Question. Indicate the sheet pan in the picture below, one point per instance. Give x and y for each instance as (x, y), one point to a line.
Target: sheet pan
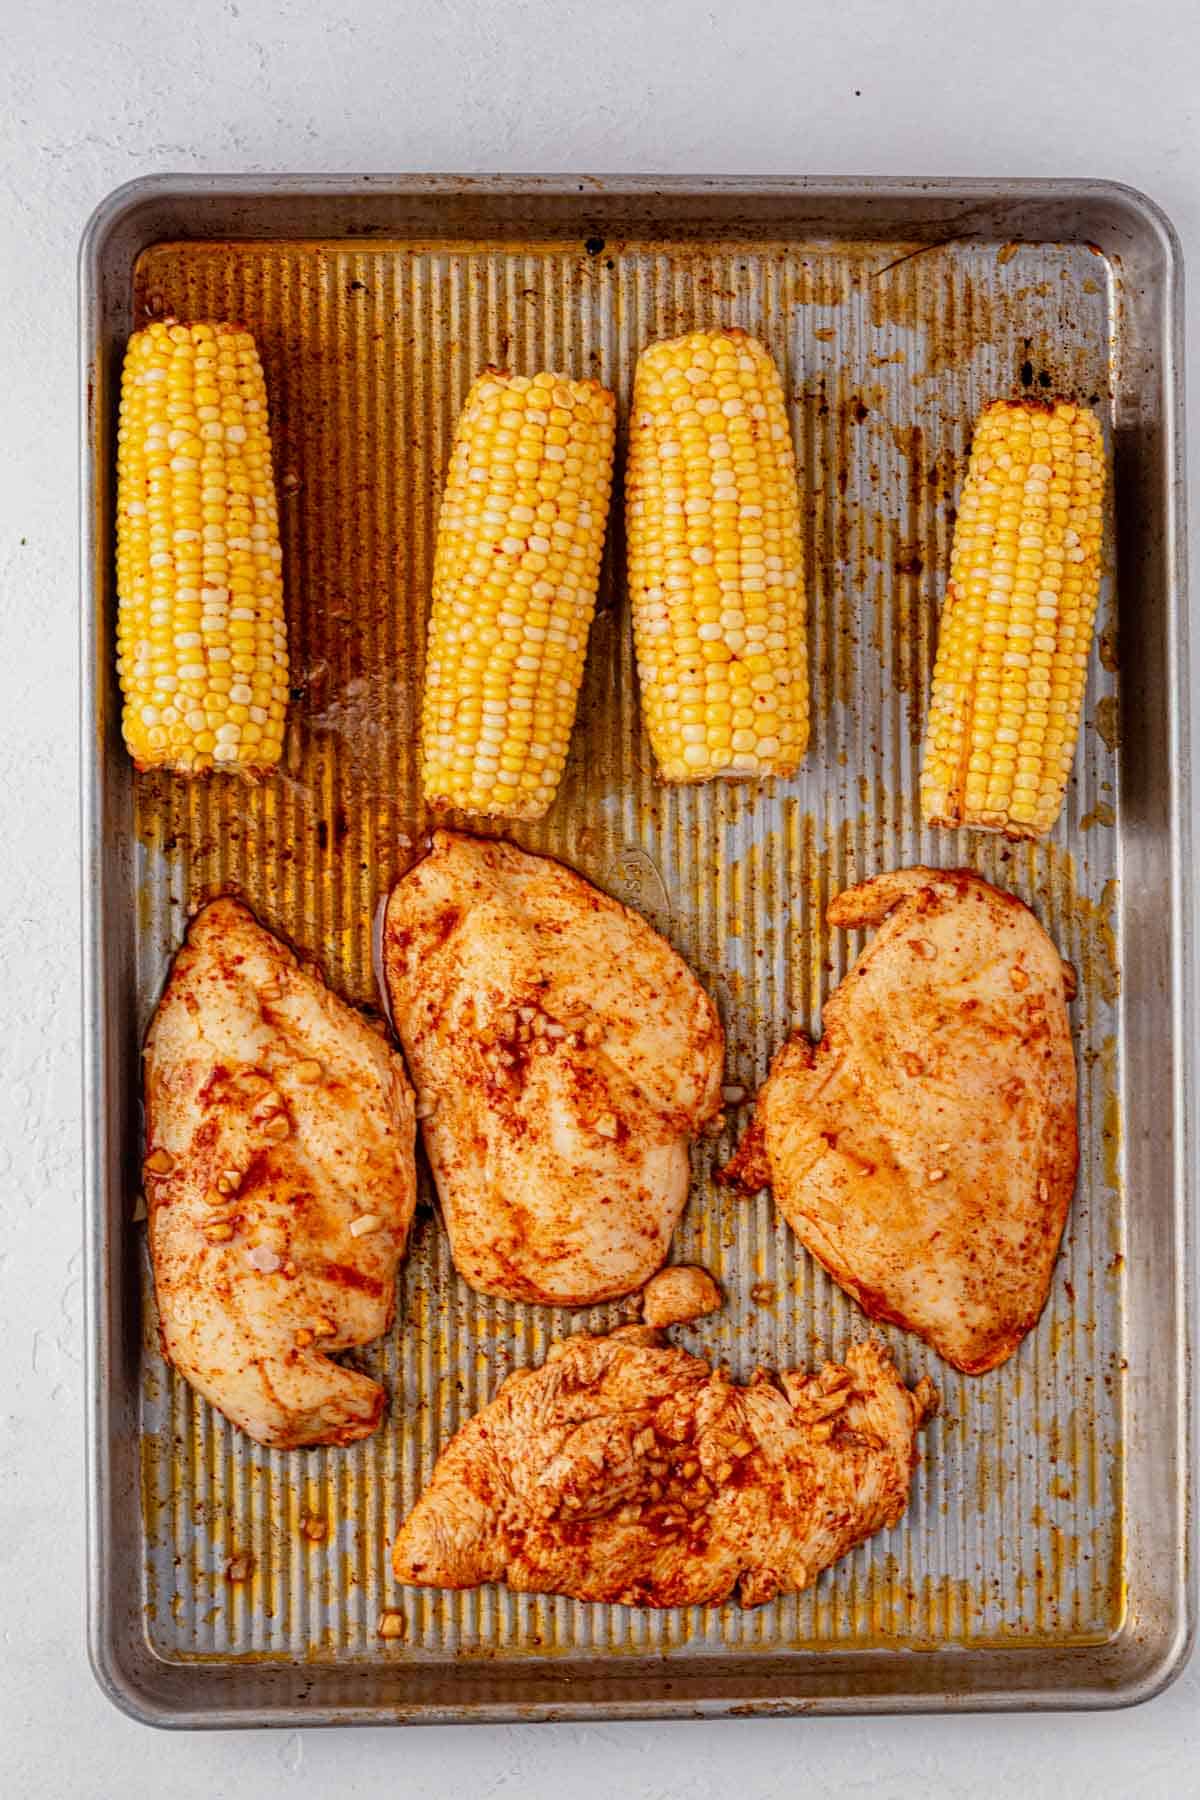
(1045, 1559)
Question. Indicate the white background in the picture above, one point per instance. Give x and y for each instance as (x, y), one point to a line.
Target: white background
(90, 96)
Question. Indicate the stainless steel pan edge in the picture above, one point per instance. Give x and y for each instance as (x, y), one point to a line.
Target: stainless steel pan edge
(1153, 1644)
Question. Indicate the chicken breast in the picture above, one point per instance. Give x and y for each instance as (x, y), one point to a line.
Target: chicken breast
(563, 1053)
(925, 1150)
(627, 1471)
(280, 1182)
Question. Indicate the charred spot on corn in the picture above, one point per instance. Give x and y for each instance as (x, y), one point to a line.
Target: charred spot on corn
(201, 634)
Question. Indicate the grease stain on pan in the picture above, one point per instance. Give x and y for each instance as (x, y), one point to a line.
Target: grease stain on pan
(1107, 721)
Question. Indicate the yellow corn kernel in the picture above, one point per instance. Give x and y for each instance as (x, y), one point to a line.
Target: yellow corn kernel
(716, 572)
(517, 566)
(1017, 621)
(201, 635)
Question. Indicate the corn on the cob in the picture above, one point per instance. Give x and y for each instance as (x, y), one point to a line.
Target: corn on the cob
(1016, 627)
(201, 638)
(715, 560)
(520, 537)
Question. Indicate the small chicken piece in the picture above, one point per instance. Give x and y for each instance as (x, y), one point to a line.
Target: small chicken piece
(677, 1296)
(564, 1054)
(280, 1172)
(625, 1471)
(925, 1150)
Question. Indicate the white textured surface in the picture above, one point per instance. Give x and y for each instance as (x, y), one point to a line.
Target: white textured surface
(1036, 87)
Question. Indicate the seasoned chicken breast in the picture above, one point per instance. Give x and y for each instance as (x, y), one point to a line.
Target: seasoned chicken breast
(280, 1183)
(626, 1471)
(925, 1150)
(563, 1053)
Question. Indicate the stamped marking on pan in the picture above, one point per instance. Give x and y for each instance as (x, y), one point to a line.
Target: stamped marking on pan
(637, 882)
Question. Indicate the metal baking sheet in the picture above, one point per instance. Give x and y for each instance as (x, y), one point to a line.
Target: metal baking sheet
(1045, 1559)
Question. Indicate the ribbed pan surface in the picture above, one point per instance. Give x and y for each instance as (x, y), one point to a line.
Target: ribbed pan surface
(1015, 1533)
